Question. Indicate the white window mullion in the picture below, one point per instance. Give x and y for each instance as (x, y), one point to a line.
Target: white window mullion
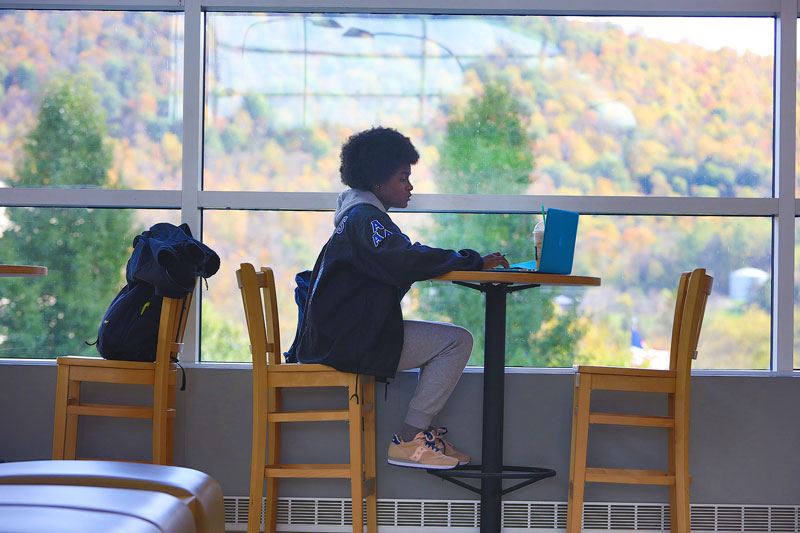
(784, 164)
(113, 198)
(475, 203)
(192, 147)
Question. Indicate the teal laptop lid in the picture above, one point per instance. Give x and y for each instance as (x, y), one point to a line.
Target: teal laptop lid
(558, 246)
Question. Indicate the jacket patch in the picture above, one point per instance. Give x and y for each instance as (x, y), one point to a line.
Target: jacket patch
(340, 227)
(378, 233)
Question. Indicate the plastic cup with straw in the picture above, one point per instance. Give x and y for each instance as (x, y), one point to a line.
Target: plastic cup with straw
(538, 237)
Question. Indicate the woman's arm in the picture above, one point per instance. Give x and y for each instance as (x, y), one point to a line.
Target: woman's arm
(383, 252)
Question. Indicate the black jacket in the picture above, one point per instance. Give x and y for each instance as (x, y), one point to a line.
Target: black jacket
(170, 259)
(352, 319)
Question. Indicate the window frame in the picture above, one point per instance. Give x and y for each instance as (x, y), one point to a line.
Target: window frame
(783, 207)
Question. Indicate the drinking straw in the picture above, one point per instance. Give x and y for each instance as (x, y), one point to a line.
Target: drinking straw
(544, 217)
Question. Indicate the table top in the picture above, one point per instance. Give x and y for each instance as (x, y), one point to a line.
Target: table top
(22, 270)
(488, 276)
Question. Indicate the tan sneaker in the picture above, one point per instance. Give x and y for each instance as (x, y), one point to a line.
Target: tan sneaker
(446, 447)
(419, 453)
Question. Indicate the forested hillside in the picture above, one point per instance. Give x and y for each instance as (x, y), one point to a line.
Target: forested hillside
(596, 111)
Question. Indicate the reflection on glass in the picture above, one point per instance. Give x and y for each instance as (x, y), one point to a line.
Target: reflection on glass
(640, 260)
(626, 321)
(96, 89)
(286, 241)
(608, 106)
(85, 252)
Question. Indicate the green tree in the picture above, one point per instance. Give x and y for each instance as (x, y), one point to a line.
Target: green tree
(224, 339)
(487, 151)
(85, 250)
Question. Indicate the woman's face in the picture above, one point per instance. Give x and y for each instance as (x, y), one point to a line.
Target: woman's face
(396, 192)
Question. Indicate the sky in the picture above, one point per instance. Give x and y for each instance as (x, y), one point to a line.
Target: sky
(756, 35)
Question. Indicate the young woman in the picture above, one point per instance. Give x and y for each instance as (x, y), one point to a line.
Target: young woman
(352, 319)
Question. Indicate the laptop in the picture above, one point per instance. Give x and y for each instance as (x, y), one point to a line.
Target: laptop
(558, 246)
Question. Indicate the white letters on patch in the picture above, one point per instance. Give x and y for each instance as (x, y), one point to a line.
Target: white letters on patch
(378, 233)
(340, 227)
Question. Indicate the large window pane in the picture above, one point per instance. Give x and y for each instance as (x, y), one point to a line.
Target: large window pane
(606, 106)
(85, 252)
(638, 258)
(91, 99)
(287, 241)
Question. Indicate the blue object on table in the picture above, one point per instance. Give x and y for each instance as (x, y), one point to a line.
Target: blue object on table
(558, 247)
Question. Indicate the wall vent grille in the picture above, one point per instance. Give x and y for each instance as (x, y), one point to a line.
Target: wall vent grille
(457, 516)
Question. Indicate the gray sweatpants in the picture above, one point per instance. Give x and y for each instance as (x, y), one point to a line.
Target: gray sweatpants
(441, 351)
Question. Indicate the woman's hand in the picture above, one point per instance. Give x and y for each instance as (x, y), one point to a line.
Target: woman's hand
(495, 259)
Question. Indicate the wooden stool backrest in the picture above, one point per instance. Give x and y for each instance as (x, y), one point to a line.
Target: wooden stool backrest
(261, 312)
(171, 327)
(693, 291)
(680, 301)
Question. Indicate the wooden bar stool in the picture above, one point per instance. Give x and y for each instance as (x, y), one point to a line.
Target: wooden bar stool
(693, 292)
(269, 377)
(160, 374)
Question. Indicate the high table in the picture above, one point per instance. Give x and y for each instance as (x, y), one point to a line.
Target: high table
(22, 270)
(491, 472)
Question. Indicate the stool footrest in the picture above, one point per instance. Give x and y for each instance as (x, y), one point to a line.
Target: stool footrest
(632, 420)
(308, 470)
(115, 410)
(309, 416)
(527, 475)
(629, 476)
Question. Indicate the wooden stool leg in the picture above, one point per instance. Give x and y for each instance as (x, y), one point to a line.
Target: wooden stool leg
(257, 461)
(171, 427)
(275, 402)
(680, 503)
(160, 431)
(580, 439)
(71, 440)
(673, 518)
(356, 455)
(370, 456)
(60, 418)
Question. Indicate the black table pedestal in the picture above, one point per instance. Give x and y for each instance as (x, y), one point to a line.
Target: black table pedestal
(492, 472)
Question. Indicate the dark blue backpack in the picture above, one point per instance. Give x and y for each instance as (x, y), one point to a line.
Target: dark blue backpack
(303, 279)
(166, 261)
(129, 331)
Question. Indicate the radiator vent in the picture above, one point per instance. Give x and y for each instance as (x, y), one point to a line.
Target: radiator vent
(626, 516)
(456, 516)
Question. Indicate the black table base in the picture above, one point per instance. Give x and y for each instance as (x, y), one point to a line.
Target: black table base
(529, 474)
(492, 472)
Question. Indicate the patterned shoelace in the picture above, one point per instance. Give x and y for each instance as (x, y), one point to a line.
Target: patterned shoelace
(430, 442)
(437, 434)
